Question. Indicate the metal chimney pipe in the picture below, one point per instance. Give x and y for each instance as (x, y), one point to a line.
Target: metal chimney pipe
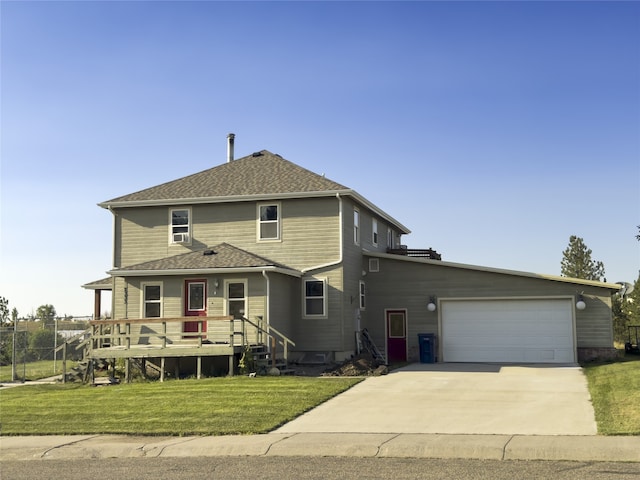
(230, 139)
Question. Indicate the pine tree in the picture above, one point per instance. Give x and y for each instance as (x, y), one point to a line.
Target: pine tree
(577, 262)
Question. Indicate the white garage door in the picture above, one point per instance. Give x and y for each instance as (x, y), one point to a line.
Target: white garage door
(510, 331)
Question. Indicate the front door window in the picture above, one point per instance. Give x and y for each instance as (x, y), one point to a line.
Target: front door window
(396, 335)
(196, 297)
(195, 305)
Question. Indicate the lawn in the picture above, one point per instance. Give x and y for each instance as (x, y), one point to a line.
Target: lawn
(34, 370)
(242, 405)
(214, 406)
(615, 394)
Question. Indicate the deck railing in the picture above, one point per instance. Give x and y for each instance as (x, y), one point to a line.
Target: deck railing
(167, 333)
(415, 252)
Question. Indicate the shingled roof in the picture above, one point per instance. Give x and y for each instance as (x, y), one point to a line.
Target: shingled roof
(222, 256)
(261, 173)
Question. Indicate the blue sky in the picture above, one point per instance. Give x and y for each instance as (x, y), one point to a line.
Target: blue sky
(493, 130)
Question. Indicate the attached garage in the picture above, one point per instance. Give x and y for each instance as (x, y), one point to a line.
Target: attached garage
(508, 331)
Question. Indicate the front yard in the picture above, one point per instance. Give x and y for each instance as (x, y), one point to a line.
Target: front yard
(243, 405)
(615, 394)
(214, 406)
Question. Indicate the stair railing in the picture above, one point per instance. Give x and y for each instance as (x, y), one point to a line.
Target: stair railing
(371, 347)
(276, 337)
(86, 344)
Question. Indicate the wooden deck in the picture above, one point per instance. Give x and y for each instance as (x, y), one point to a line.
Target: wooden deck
(169, 338)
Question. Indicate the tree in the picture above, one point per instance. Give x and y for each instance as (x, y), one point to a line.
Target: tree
(42, 344)
(577, 263)
(638, 236)
(626, 311)
(45, 312)
(4, 310)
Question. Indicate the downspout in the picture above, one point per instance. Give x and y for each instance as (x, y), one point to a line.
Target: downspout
(341, 246)
(113, 263)
(267, 299)
(336, 262)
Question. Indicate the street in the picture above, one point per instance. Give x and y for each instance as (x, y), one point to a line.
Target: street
(301, 468)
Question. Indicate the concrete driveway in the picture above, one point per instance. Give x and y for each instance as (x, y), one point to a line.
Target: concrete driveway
(460, 399)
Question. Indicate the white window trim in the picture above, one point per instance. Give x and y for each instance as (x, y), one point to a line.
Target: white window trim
(278, 222)
(205, 285)
(362, 295)
(189, 227)
(374, 265)
(245, 282)
(390, 238)
(324, 297)
(143, 302)
(356, 226)
(374, 232)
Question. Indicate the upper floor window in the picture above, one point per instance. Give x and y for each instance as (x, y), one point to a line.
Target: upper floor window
(374, 231)
(389, 238)
(269, 222)
(315, 298)
(180, 231)
(356, 226)
(151, 300)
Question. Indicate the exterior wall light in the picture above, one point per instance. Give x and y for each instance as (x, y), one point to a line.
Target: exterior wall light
(580, 304)
(431, 306)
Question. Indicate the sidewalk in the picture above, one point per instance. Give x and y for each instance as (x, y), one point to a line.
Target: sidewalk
(461, 422)
(380, 445)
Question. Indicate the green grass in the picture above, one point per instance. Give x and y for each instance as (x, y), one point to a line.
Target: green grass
(215, 406)
(241, 405)
(34, 370)
(615, 394)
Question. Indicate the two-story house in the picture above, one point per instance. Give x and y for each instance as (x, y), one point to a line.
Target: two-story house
(259, 250)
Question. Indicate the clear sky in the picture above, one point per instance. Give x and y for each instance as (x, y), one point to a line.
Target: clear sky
(493, 130)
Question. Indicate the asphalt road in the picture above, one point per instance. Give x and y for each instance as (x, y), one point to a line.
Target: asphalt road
(303, 468)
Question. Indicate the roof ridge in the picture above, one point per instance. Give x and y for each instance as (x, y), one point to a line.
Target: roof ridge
(260, 173)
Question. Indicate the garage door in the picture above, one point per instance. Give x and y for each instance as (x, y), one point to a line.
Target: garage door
(518, 331)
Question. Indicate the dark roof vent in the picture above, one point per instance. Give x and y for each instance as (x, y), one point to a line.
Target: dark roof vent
(208, 252)
(256, 154)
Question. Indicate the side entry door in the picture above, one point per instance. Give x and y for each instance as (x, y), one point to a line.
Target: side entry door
(396, 327)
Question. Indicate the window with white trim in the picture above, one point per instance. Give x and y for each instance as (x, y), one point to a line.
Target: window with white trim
(151, 300)
(180, 229)
(389, 238)
(236, 293)
(374, 265)
(362, 295)
(315, 297)
(269, 221)
(356, 226)
(374, 232)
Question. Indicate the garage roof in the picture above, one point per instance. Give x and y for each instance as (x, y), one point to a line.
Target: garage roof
(556, 278)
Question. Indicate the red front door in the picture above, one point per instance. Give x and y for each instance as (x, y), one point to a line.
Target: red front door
(396, 326)
(195, 304)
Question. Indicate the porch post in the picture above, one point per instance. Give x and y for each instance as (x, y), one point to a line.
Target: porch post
(64, 362)
(127, 370)
(97, 294)
(161, 369)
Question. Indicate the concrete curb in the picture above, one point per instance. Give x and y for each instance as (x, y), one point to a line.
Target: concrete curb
(382, 445)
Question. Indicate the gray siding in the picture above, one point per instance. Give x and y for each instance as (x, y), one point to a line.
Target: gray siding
(323, 334)
(309, 232)
(403, 284)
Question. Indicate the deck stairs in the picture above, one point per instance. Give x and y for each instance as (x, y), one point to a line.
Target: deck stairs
(263, 361)
(82, 372)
